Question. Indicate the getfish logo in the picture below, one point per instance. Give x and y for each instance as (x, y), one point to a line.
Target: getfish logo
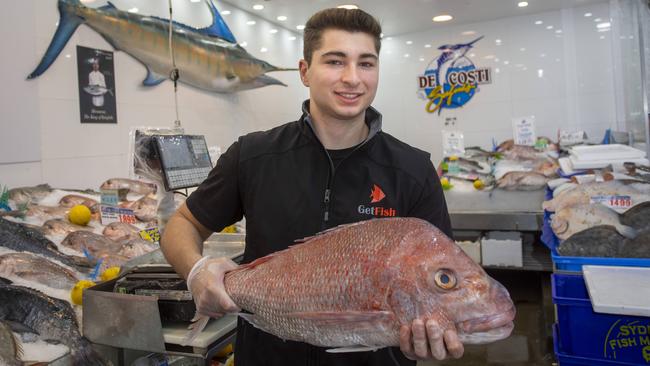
(452, 79)
(376, 196)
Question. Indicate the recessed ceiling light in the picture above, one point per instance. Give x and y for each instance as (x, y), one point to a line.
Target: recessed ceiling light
(469, 33)
(597, 20)
(602, 37)
(350, 7)
(300, 27)
(258, 6)
(587, 15)
(497, 70)
(488, 57)
(522, 49)
(406, 55)
(195, 1)
(539, 22)
(292, 38)
(522, 4)
(540, 73)
(263, 49)
(244, 44)
(273, 31)
(549, 27)
(442, 18)
(133, 10)
(421, 59)
(389, 38)
(427, 46)
(67, 55)
(281, 18)
(409, 42)
(225, 12)
(558, 31)
(498, 42)
(506, 62)
(250, 22)
(603, 25)
(496, 60)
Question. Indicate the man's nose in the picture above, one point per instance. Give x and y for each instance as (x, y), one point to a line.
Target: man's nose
(350, 75)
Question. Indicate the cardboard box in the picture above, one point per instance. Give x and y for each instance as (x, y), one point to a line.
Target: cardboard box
(502, 248)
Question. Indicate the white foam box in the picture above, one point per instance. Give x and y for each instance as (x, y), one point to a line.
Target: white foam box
(472, 249)
(502, 248)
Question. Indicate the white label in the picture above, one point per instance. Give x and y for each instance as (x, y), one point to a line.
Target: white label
(615, 202)
(453, 143)
(115, 214)
(572, 137)
(110, 197)
(523, 129)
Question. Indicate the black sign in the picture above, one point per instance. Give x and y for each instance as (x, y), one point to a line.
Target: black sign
(96, 86)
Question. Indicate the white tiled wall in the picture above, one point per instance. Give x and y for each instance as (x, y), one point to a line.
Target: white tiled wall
(575, 90)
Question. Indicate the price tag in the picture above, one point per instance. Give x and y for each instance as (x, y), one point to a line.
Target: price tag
(151, 234)
(523, 129)
(568, 138)
(110, 197)
(116, 214)
(614, 201)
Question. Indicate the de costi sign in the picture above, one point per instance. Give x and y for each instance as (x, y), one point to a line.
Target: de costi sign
(451, 79)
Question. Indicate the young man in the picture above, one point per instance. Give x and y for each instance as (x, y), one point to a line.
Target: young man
(333, 166)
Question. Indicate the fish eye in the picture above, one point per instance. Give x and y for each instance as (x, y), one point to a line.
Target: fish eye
(445, 279)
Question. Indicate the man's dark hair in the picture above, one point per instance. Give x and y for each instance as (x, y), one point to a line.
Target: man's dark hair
(350, 20)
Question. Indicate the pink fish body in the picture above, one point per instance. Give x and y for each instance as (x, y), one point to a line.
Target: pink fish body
(354, 286)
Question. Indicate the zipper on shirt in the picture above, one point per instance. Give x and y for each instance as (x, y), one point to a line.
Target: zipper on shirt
(326, 200)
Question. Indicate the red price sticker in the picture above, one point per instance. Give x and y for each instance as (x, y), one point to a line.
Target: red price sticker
(614, 202)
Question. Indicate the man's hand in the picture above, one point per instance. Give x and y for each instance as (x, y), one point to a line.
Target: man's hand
(205, 282)
(423, 341)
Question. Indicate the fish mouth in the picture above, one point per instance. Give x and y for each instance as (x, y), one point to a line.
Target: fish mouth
(489, 322)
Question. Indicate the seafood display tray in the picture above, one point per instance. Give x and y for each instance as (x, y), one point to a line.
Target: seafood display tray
(583, 333)
(569, 360)
(574, 264)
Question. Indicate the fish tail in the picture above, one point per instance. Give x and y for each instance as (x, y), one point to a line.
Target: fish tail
(627, 231)
(199, 323)
(68, 23)
(86, 355)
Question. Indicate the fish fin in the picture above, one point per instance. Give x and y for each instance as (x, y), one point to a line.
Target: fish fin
(343, 317)
(265, 80)
(19, 347)
(626, 231)
(19, 327)
(153, 78)
(340, 227)
(68, 23)
(352, 349)
(199, 323)
(218, 28)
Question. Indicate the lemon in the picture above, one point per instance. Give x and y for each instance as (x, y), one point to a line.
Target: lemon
(77, 291)
(478, 184)
(444, 182)
(110, 273)
(229, 229)
(79, 215)
(225, 351)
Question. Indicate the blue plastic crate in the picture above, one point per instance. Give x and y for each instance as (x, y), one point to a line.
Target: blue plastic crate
(584, 333)
(574, 264)
(569, 360)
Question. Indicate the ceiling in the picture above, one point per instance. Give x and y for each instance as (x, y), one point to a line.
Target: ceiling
(405, 16)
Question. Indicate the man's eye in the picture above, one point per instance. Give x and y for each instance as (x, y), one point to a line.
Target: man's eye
(367, 64)
(334, 62)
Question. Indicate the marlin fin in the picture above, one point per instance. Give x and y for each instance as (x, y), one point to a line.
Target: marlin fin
(218, 28)
(68, 23)
(153, 79)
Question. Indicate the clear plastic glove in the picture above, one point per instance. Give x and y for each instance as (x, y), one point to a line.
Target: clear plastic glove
(423, 341)
(205, 282)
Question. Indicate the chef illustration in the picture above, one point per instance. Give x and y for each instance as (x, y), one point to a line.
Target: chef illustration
(97, 84)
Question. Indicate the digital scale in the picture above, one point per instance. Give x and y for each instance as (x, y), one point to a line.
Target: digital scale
(184, 160)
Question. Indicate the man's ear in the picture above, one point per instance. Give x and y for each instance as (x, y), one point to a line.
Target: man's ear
(303, 67)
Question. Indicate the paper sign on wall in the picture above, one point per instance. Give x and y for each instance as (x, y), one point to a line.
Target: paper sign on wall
(523, 130)
(453, 143)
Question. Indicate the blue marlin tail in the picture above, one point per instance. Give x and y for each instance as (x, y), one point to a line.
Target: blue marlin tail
(68, 23)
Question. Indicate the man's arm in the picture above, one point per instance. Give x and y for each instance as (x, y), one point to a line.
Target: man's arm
(182, 240)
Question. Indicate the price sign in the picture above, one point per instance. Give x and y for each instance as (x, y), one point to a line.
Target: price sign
(523, 129)
(116, 214)
(615, 202)
(151, 234)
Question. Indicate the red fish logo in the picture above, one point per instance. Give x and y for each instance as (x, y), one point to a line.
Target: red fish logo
(376, 194)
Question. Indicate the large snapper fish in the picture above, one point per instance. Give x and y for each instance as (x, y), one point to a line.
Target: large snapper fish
(354, 286)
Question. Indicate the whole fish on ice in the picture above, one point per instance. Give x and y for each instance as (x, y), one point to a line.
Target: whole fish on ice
(207, 58)
(583, 193)
(10, 347)
(355, 285)
(573, 219)
(30, 267)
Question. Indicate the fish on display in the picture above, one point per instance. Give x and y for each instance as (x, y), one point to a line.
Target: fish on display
(472, 166)
(31, 267)
(91, 243)
(573, 219)
(136, 247)
(548, 168)
(598, 241)
(61, 227)
(75, 199)
(119, 231)
(145, 209)
(638, 216)
(207, 58)
(637, 247)
(52, 320)
(24, 195)
(20, 238)
(582, 193)
(47, 211)
(132, 185)
(522, 181)
(10, 348)
(354, 286)
(477, 153)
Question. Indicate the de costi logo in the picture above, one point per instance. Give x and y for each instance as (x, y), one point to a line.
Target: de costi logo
(452, 79)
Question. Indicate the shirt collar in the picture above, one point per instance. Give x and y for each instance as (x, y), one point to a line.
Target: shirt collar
(372, 119)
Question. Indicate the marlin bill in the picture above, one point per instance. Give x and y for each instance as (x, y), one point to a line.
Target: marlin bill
(207, 58)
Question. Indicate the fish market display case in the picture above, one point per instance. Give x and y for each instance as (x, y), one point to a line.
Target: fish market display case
(132, 321)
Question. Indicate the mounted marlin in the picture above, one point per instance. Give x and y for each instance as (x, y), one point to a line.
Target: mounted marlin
(207, 58)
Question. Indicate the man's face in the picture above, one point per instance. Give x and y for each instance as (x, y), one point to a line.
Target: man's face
(95, 66)
(343, 75)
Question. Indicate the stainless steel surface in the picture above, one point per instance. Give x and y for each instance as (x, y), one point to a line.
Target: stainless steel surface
(517, 221)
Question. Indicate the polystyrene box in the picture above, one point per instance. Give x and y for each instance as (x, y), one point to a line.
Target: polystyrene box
(502, 248)
(472, 249)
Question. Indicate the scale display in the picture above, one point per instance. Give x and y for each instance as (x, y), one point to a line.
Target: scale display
(185, 160)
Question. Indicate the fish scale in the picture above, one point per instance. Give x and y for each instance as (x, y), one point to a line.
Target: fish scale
(355, 285)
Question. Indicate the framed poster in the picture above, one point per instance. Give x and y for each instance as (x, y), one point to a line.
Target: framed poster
(96, 86)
